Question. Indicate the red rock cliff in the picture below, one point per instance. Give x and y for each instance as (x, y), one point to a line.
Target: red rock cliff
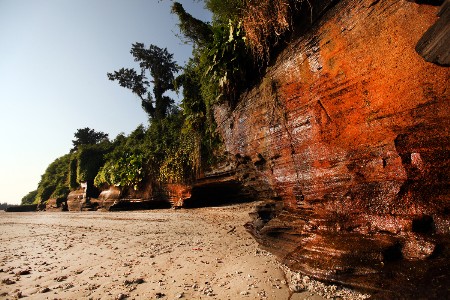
(349, 133)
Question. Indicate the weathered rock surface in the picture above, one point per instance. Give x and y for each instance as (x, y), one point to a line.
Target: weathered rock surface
(177, 194)
(115, 199)
(109, 197)
(434, 45)
(56, 204)
(349, 133)
(75, 199)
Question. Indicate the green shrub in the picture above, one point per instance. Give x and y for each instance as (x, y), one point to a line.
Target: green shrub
(89, 160)
(122, 169)
(29, 198)
(227, 61)
(54, 182)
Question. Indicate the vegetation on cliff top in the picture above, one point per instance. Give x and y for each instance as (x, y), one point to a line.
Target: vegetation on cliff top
(180, 141)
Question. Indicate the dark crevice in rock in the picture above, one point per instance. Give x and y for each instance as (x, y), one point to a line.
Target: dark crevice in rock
(423, 225)
(217, 194)
(393, 253)
(429, 2)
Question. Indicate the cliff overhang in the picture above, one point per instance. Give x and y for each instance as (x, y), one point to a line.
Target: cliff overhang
(347, 134)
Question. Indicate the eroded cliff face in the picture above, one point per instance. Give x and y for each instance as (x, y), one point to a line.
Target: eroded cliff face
(348, 134)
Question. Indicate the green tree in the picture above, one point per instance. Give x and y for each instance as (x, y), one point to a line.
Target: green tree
(29, 198)
(126, 165)
(194, 30)
(54, 182)
(220, 51)
(88, 136)
(90, 158)
(161, 67)
(123, 169)
(224, 10)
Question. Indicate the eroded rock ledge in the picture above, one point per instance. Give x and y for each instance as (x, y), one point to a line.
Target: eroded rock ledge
(348, 133)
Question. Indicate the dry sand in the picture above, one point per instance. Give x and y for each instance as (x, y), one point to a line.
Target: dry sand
(162, 254)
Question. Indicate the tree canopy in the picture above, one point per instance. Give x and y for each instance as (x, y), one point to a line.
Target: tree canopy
(88, 136)
(195, 30)
(158, 62)
(29, 198)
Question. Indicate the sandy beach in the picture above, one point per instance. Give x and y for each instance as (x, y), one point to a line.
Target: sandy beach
(162, 254)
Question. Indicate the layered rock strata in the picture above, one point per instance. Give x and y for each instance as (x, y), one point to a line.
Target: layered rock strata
(434, 46)
(114, 199)
(348, 133)
(56, 204)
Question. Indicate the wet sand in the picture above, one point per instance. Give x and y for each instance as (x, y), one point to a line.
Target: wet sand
(162, 254)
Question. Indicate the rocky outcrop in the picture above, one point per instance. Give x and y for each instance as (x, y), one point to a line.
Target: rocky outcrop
(22, 208)
(56, 204)
(348, 134)
(109, 197)
(177, 194)
(115, 199)
(75, 199)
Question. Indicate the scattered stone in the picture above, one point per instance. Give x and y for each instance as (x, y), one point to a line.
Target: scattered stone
(44, 290)
(8, 281)
(121, 296)
(65, 286)
(297, 288)
(298, 282)
(60, 278)
(180, 295)
(232, 229)
(245, 293)
(19, 295)
(208, 291)
(23, 272)
(93, 287)
(138, 281)
(134, 281)
(127, 282)
(262, 294)
(131, 288)
(159, 295)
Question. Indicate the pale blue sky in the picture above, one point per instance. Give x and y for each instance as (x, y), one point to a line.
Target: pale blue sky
(54, 56)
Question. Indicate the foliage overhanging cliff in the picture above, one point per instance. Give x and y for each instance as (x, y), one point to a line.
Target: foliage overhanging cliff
(180, 142)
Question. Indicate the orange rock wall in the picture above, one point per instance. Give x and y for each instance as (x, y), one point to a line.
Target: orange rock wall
(353, 129)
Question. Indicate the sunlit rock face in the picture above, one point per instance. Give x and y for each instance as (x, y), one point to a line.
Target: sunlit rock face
(75, 199)
(348, 133)
(117, 199)
(54, 204)
(109, 197)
